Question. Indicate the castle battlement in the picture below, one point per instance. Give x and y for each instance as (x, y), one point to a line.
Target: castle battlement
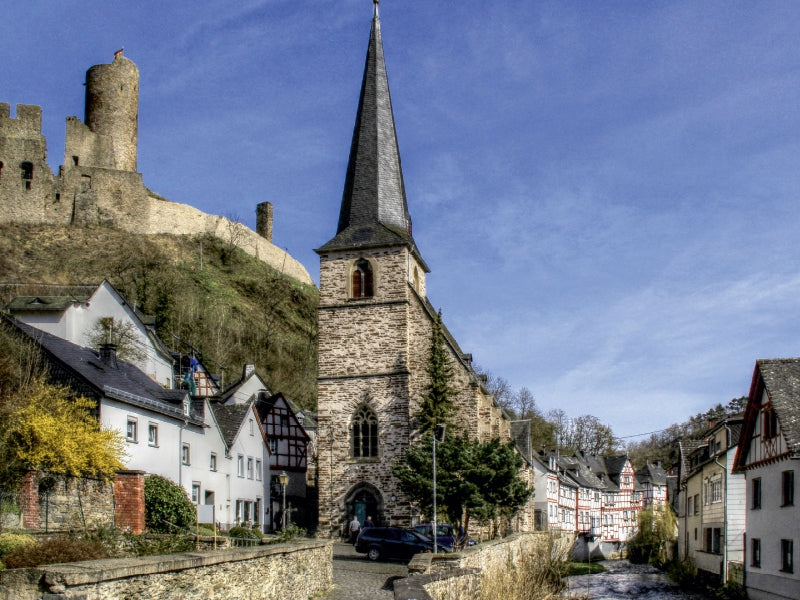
(98, 183)
(28, 121)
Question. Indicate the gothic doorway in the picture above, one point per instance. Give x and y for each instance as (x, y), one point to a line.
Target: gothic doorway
(364, 500)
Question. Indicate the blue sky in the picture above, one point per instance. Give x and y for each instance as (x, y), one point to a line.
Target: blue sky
(606, 192)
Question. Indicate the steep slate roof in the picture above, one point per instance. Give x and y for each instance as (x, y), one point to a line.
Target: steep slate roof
(654, 474)
(521, 433)
(230, 418)
(374, 210)
(44, 303)
(112, 378)
(781, 379)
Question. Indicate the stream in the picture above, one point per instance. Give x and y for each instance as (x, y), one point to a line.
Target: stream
(623, 581)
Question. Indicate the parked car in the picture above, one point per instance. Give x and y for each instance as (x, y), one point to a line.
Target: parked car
(391, 542)
(445, 535)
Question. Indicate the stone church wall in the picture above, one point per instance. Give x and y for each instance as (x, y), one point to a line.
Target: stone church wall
(375, 352)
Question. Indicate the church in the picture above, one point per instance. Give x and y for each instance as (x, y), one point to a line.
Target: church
(375, 323)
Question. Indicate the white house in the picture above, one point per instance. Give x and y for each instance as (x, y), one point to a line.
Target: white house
(711, 501)
(74, 317)
(219, 455)
(769, 456)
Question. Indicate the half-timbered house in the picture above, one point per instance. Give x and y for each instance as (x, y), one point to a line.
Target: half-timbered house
(769, 455)
(288, 452)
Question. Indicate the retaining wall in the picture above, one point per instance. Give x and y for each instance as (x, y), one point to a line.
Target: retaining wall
(296, 570)
(455, 576)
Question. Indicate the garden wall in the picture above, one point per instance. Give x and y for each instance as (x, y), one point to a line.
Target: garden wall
(296, 570)
(58, 503)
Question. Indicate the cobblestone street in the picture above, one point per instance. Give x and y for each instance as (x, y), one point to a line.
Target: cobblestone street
(355, 577)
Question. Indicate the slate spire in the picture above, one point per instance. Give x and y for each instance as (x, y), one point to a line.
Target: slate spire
(374, 210)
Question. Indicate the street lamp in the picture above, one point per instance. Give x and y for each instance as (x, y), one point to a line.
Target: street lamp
(284, 479)
(438, 435)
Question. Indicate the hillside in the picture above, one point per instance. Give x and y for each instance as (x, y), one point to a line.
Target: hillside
(202, 291)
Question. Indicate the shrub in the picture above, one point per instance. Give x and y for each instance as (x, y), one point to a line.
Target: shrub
(683, 572)
(167, 506)
(244, 533)
(11, 541)
(56, 550)
(292, 531)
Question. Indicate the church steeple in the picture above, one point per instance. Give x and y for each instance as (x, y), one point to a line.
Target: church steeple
(374, 211)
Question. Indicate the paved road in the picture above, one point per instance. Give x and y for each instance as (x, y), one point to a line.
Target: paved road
(355, 577)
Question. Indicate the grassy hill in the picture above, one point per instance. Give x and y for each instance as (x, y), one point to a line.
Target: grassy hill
(231, 307)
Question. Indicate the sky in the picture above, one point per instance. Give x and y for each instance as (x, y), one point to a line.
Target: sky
(606, 192)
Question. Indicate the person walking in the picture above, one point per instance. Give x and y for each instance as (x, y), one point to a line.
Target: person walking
(355, 527)
(368, 523)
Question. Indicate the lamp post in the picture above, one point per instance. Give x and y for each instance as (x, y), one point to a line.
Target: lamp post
(438, 434)
(284, 479)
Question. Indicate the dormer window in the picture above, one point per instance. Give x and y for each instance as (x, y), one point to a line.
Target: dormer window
(362, 279)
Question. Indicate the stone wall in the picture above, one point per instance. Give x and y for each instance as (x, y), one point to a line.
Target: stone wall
(296, 570)
(57, 503)
(455, 576)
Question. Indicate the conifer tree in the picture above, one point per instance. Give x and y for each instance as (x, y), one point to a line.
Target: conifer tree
(437, 401)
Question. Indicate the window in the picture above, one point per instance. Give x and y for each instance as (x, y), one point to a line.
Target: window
(697, 504)
(690, 507)
(258, 470)
(195, 492)
(212, 464)
(787, 556)
(713, 540)
(273, 445)
(252, 427)
(27, 170)
(240, 466)
(185, 455)
(362, 280)
(132, 432)
(787, 488)
(249, 468)
(755, 552)
(716, 491)
(755, 489)
(152, 434)
(365, 433)
(770, 422)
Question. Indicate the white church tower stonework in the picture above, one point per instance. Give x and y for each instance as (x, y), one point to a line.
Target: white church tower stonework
(375, 326)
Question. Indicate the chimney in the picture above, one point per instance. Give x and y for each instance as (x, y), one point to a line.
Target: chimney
(108, 354)
(248, 370)
(264, 220)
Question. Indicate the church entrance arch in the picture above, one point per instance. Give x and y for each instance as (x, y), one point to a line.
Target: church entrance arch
(365, 500)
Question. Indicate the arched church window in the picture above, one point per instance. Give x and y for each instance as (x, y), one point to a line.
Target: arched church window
(364, 433)
(362, 280)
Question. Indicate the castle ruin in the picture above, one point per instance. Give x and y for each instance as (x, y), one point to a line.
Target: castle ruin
(98, 185)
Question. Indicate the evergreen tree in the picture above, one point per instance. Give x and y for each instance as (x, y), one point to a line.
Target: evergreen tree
(437, 403)
(471, 477)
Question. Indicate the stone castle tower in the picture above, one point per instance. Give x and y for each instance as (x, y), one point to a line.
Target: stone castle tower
(375, 325)
(98, 183)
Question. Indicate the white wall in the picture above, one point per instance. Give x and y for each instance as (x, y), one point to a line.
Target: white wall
(770, 524)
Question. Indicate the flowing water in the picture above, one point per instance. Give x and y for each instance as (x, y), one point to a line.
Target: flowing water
(625, 581)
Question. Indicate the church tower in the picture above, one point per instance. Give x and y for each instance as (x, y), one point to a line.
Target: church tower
(374, 322)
